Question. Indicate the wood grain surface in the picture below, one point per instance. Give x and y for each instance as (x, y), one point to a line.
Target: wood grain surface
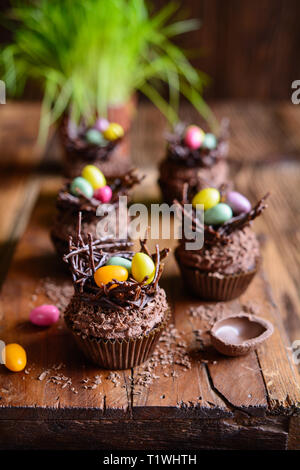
(215, 402)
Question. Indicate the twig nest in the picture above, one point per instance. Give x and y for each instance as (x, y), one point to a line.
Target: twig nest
(237, 335)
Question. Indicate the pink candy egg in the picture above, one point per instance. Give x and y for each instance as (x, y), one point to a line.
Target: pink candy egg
(44, 315)
(101, 124)
(194, 137)
(103, 194)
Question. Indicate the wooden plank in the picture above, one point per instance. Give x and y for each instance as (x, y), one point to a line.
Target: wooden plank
(34, 261)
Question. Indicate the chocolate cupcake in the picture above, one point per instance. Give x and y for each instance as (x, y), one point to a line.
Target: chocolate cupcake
(193, 157)
(115, 317)
(230, 257)
(103, 145)
(69, 205)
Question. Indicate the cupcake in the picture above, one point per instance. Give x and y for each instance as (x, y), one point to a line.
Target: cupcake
(193, 157)
(118, 311)
(230, 256)
(103, 145)
(80, 196)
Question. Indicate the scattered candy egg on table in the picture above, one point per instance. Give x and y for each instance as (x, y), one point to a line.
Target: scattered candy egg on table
(44, 315)
(106, 274)
(119, 261)
(141, 266)
(194, 137)
(210, 141)
(94, 176)
(114, 131)
(101, 124)
(103, 194)
(81, 186)
(238, 203)
(209, 197)
(93, 136)
(218, 214)
(15, 357)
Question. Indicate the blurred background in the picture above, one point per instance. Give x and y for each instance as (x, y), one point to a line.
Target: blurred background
(249, 48)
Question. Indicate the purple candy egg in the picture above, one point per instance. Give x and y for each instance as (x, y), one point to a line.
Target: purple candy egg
(44, 315)
(238, 203)
(101, 124)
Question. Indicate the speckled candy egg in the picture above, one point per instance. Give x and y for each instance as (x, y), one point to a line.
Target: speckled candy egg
(209, 197)
(44, 315)
(14, 357)
(106, 274)
(218, 214)
(142, 265)
(94, 176)
(194, 137)
(113, 132)
(119, 261)
(238, 203)
(103, 194)
(81, 186)
(210, 141)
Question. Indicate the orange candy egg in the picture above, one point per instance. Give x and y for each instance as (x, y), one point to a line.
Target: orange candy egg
(14, 356)
(107, 274)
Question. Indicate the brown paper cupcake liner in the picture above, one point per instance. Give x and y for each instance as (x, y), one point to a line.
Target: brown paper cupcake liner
(120, 354)
(213, 288)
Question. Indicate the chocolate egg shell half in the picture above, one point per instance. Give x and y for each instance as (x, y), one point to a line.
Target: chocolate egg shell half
(236, 335)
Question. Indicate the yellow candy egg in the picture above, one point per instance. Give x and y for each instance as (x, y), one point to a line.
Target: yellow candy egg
(107, 274)
(209, 197)
(94, 176)
(15, 357)
(113, 132)
(142, 266)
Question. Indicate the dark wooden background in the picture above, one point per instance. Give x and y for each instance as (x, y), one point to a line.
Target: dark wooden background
(249, 48)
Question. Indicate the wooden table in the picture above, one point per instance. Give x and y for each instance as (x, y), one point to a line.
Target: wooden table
(215, 402)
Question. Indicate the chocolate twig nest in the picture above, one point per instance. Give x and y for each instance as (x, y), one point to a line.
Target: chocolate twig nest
(222, 233)
(120, 187)
(85, 258)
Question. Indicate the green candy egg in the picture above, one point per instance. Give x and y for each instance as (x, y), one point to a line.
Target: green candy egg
(81, 186)
(218, 214)
(119, 261)
(210, 141)
(95, 137)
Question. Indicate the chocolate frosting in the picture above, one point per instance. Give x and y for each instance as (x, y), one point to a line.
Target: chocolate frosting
(240, 254)
(230, 248)
(100, 321)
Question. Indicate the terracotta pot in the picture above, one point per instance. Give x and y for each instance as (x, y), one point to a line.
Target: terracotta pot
(112, 160)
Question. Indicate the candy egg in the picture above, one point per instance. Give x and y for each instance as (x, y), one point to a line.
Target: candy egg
(81, 186)
(93, 136)
(14, 356)
(106, 274)
(103, 194)
(142, 265)
(101, 124)
(114, 131)
(238, 203)
(218, 214)
(210, 141)
(94, 176)
(209, 197)
(119, 261)
(44, 315)
(194, 137)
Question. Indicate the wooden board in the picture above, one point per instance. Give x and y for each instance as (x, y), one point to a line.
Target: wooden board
(214, 402)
